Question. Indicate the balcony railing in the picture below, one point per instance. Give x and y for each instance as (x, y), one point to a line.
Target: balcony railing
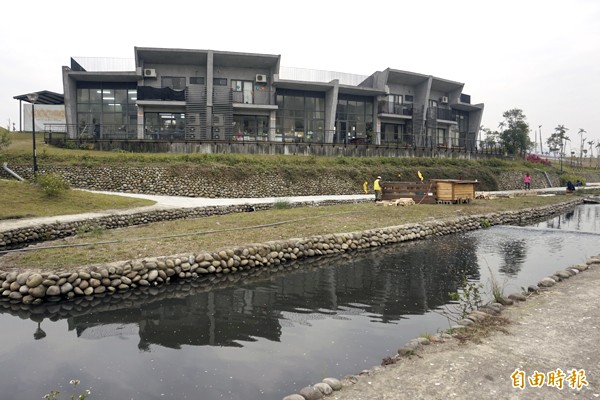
(445, 114)
(259, 97)
(397, 109)
(165, 94)
(61, 134)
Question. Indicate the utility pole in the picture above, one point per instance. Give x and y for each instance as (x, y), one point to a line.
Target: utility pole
(541, 148)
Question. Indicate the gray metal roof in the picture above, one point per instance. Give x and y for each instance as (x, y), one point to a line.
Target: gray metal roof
(44, 97)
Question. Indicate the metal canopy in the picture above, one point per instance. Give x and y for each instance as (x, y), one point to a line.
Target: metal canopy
(44, 97)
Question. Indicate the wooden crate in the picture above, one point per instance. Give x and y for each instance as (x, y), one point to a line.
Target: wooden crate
(420, 192)
(454, 190)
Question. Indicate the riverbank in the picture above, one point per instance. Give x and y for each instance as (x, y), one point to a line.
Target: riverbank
(34, 286)
(552, 332)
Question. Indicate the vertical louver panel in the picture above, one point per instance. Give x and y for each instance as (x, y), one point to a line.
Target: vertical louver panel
(195, 112)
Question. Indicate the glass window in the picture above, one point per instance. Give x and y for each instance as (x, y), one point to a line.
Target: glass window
(220, 81)
(173, 82)
(196, 80)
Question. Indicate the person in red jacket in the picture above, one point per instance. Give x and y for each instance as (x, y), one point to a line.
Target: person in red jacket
(527, 181)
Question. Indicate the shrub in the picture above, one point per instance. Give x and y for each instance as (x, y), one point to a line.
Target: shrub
(534, 158)
(5, 139)
(282, 204)
(564, 178)
(52, 184)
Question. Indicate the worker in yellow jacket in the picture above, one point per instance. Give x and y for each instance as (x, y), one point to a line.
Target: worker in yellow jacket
(377, 188)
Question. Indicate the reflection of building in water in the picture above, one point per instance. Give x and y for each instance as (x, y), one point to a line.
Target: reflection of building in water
(386, 284)
(216, 318)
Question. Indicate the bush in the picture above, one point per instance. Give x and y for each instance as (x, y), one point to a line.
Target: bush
(564, 178)
(534, 158)
(4, 138)
(52, 184)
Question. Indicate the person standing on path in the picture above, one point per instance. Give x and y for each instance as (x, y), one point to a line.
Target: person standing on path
(527, 181)
(377, 188)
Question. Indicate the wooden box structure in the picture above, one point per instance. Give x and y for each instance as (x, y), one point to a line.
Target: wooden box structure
(454, 190)
(430, 192)
(420, 192)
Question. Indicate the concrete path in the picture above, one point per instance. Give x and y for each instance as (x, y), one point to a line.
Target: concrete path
(166, 202)
(170, 202)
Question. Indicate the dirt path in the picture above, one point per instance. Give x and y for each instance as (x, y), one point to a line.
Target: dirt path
(559, 328)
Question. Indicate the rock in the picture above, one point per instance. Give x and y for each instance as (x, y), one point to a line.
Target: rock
(323, 388)
(294, 397)
(465, 322)
(517, 297)
(66, 288)
(310, 393)
(34, 280)
(547, 282)
(334, 383)
(533, 288)
(53, 290)
(38, 291)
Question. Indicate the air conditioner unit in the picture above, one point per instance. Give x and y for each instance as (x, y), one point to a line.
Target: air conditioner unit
(149, 73)
(260, 78)
(444, 100)
(217, 119)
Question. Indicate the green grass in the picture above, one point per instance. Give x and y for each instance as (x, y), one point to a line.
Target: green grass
(292, 167)
(213, 233)
(25, 200)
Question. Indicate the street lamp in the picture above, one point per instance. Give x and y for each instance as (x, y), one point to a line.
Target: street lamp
(33, 97)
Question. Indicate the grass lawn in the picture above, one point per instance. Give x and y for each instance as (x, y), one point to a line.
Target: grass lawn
(24, 200)
(213, 233)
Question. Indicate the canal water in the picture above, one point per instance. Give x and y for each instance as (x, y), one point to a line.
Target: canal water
(268, 334)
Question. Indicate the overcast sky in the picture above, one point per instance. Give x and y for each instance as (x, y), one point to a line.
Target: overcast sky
(540, 56)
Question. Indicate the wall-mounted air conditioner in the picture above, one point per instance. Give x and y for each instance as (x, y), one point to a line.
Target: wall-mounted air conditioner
(260, 78)
(149, 73)
(444, 100)
(217, 120)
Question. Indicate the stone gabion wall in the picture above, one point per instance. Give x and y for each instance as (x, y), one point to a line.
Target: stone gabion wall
(189, 181)
(37, 287)
(33, 234)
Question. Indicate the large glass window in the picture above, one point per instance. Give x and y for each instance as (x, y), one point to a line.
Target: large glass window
(250, 127)
(393, 134)
(300, 117)
(242, 91)
(354, 120)
(173, 82)
(164, 125)
(106, 111)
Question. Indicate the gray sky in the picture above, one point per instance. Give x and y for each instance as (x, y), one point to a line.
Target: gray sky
(540, 56)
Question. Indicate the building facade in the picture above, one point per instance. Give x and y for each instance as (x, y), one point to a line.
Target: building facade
(205, 95)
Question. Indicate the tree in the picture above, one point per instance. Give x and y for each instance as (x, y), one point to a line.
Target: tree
(591, 144)
(556, 141)
(514, 135)
(582, 141)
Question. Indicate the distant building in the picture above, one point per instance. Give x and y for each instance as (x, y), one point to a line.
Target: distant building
(178, 94)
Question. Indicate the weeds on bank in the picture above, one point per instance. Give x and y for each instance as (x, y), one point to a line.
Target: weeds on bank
(468, 298)
(282, 204)
(482, 329)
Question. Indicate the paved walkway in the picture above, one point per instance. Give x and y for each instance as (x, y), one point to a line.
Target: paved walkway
(171, 202)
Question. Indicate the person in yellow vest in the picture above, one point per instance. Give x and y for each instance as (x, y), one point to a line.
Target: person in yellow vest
(366, 187)
(377, 188)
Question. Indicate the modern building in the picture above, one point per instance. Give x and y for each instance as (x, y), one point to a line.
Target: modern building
(206, 95)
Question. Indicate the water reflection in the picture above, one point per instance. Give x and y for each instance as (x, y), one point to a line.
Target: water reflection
(268, 333)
